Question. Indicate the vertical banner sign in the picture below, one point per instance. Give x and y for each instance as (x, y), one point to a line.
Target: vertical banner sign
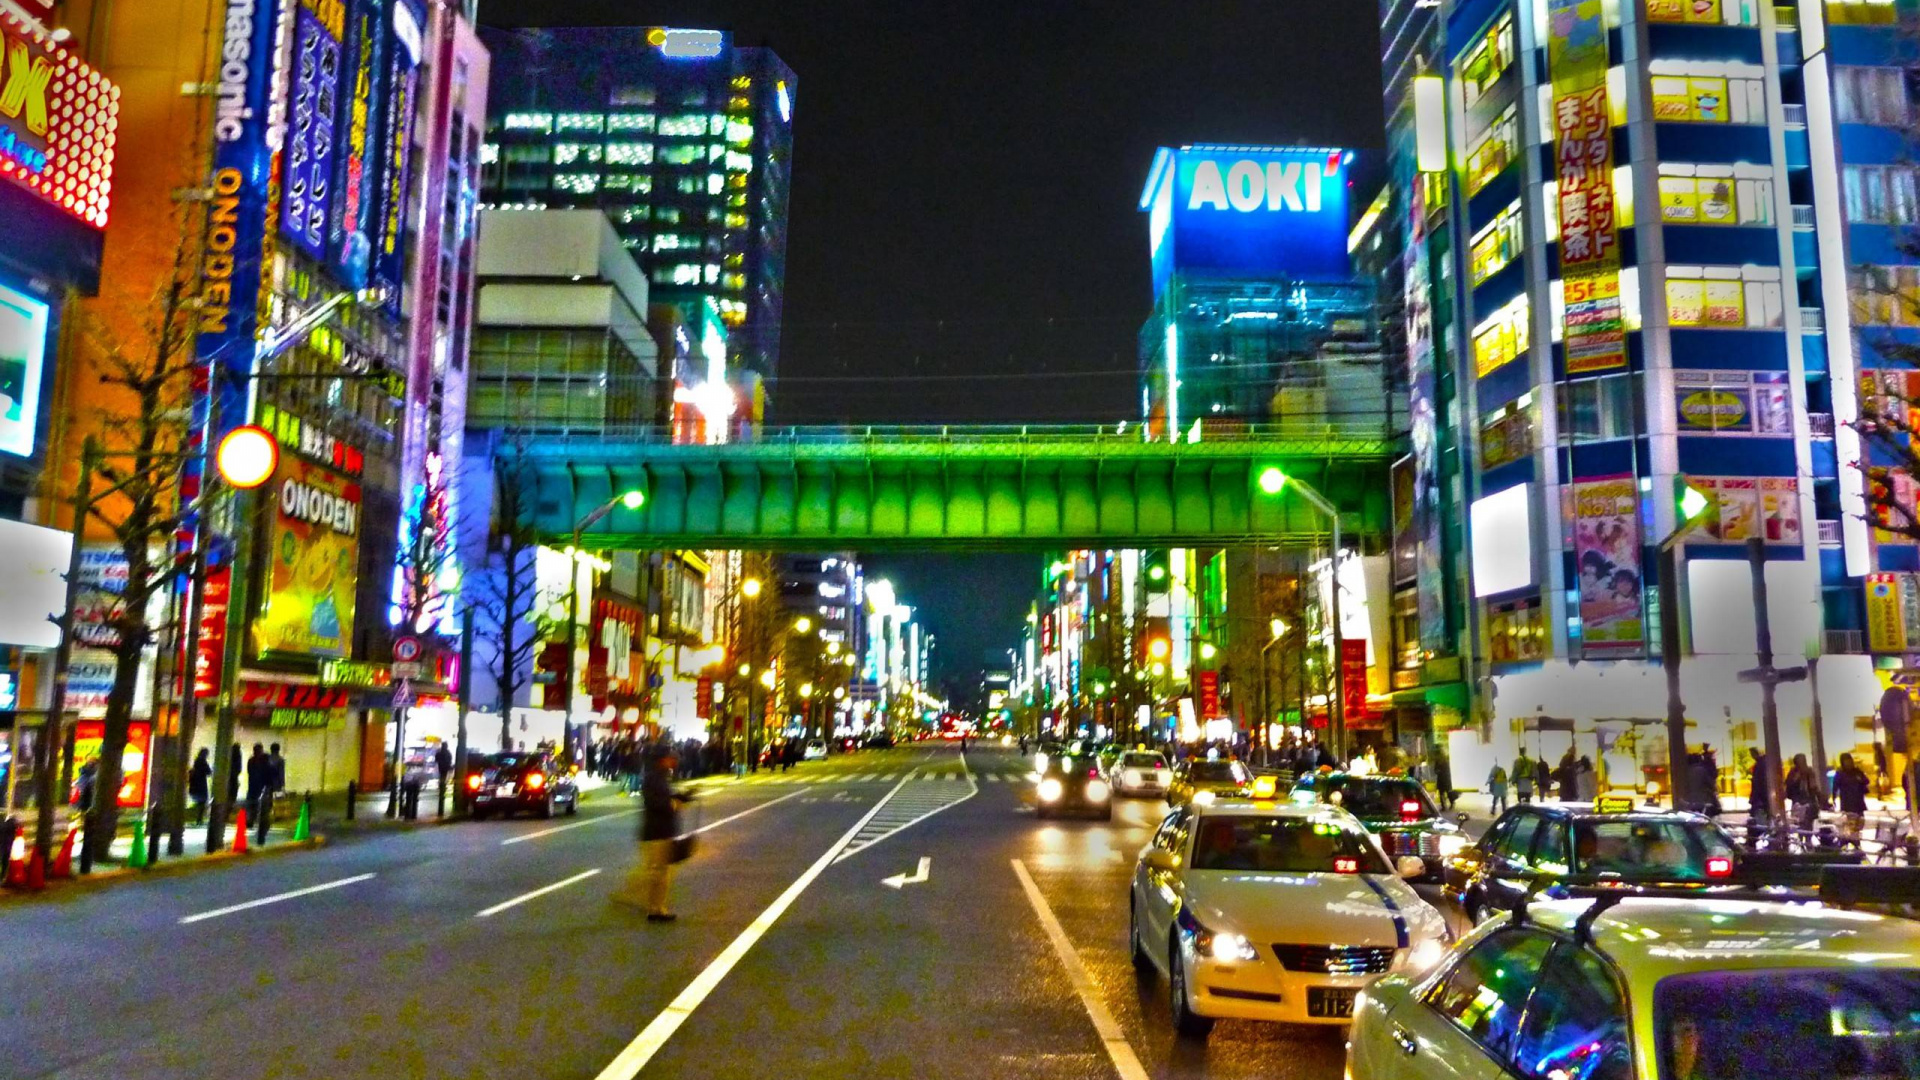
(1353, 680)
(349, 247)
(1421, 395)
(404, 48)
(1606, 515)
(236, 227)
(311, 134)
(207, 666)
(703, 698)
(1209, 695)
(1595, 335)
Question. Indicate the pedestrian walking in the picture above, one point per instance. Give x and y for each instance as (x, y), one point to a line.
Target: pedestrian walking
(1523, 778)
(1759, 796)
(259, 779)
(1850, 795)
(1803, 791)
(1497, 788)
(1586, 782)
(234, 767)
(1542, 778)
(276, 783)
(1566, 775)
(199, 778)
(1443, 781)
(648, 884)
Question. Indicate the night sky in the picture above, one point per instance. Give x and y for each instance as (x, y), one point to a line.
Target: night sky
(964, 243)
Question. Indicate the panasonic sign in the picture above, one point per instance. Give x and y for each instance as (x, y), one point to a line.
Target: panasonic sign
(1272, 212)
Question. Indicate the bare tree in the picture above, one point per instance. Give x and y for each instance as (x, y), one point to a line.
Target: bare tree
(1889, 396)
(134, 494)
(505, 593)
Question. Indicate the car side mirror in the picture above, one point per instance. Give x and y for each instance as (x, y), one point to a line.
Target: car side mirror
(1160, 860)
(1409, 866)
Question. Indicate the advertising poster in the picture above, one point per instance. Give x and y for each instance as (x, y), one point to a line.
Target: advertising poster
(1607, 554)
(1595, 333)
(103, 580)
(1886, 629)
(404, 49)
(1780, 509)
(311, 137)
(314, 563)
(349, 247)
(88, 735)
(1725, 305)
(1353, 684)
(208, 666)
(1209, 695)
(23, 352)
(1704, 408)
(90, 680)
(1424, 424)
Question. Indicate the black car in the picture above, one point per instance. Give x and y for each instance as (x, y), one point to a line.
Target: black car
(1072, 785)
(504, 783)
(1540, 847)
(1395, 808)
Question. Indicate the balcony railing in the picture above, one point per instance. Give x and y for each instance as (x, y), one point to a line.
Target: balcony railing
(1802, 216)
(1794, 114)
(1820, 425)
(1830, 534)
(1812, 321)
(1785, 17)
(1844, 641)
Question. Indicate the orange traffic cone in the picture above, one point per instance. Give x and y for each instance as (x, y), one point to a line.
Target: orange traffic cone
(36, 871)
(17, 862)
(63, 860)
(240, 831)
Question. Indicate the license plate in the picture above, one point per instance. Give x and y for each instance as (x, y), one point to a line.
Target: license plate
(1330, 1002)
(504, 791)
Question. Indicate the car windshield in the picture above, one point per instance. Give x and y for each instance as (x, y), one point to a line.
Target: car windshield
(1670, 850)
(1230, 771)
(1144, 761)
(1374, 798)
(1281, 845)
(1788, 1024)
(509, 762)
(1063, 766)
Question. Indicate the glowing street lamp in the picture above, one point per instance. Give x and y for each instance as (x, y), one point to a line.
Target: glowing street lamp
(750, 588)
(802, 625)
(1272, 480)
(247, 457)
(1208, 651)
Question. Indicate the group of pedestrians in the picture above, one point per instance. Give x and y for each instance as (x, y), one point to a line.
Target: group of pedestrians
(266, 773)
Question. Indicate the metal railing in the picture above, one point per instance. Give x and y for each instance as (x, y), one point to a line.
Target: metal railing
(1843, 641)
(1829, 534)
(1373, 427)
(1812, 321)
(1794, 115)
(1802, 216)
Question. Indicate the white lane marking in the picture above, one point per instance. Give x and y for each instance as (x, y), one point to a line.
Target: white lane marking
(1125, 1061)
(539, 892)
(274, 899)
(912, 809)
(645, 1045)
(744, 813)
(524, 837)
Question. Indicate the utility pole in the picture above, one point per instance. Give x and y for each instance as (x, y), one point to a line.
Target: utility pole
(1769, 677)
(53, 736)
(462, 700)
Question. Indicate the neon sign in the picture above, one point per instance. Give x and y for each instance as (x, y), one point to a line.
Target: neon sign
(58, 119)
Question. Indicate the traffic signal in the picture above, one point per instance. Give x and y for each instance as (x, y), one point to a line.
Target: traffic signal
(1157, 570)
(550, 673)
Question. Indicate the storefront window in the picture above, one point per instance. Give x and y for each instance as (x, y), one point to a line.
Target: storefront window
(1732, 403)
(1502, 338)
(1716, 200)
(1497, 245)
(1708, 99)
(1507, 434)
(1722, 300)
(1516, 631)
(1592, 410)
(1487, 61)
(1494, 152)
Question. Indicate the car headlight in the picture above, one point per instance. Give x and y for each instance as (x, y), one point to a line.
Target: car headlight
(1229, 946)
(1097, 791)
(1040, 762)
(1424, 954)
(1049, 789)
(1452, 844)
(1202, 798)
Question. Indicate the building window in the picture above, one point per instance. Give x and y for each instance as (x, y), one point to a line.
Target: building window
(1501, 338)
(1882, 194)
(1870, 95)
(1716, 12)
(1494, 152)
(1722, 298)
(1487, 61)
(629, 153)
(1507, 434)
(570, 153)
(578, 183)
(1708, 99)
(1594, 410)
(1715, 200)
(1885, 295)
(681, 155)
(1861, 13)
(1516, 631)
(580, 122)
(686, 125)
(630, 122)
(542, 122)
(1732, 403)
(1497, 245)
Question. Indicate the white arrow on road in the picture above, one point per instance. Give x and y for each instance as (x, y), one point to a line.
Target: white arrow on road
(918, 876)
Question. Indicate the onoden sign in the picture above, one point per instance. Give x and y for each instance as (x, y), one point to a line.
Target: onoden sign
(314, 563)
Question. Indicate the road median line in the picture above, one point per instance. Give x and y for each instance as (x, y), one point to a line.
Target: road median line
(274, 899)
(537, 893)
(1119, 1051)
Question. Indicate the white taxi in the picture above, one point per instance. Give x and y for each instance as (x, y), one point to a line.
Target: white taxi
(1260, 910)
(1140, 772)
(1679, 989)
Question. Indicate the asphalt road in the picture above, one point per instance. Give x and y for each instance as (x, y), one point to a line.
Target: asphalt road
(482, 950)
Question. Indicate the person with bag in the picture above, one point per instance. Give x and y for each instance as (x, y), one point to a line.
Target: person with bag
(1803, 792)
(661, 844)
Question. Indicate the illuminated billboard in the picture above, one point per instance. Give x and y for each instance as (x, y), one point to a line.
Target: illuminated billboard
(1248, 211)
(58, 121)
(315, 562)
(23, 351)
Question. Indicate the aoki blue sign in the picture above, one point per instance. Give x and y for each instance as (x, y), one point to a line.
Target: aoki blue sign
(1248, 211)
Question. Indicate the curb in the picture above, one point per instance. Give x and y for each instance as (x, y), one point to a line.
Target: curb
(169, 868)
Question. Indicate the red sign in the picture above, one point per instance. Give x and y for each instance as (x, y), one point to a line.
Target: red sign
(703, 699)
(1353, 680)
(207, 666)
(57, 121)
(1209, 695)
(88, 735)
(290, 696)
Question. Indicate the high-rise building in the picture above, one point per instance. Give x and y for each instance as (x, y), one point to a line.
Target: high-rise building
(1628, 235)
(684, 140)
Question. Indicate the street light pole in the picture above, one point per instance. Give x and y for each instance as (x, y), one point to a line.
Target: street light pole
(1272, 481)
(632, 500)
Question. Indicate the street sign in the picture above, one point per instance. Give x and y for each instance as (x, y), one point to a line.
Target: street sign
(404, 669)
(406, 649)
(403, 694)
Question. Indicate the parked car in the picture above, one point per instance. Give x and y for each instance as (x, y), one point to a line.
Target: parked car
(535, 782)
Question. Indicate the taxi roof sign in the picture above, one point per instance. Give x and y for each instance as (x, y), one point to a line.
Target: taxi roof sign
(1613, 804)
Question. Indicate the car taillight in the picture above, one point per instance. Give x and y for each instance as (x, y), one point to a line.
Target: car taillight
(1346, 864)
(536, 781)
(473, 782)
(1158, 765)
(1409, 810)
(1719, 866)
(1094, 772)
